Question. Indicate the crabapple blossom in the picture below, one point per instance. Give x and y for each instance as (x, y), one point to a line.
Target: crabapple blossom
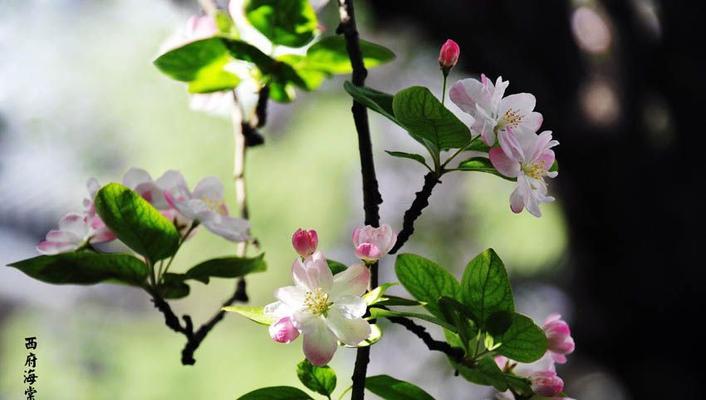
(526, 156)
(74, 232)
(559, 338)
(372, 243)
(205, 205)
(322, 307)
(546, 383)
(448, 55)
(493, 113)
(305, 242)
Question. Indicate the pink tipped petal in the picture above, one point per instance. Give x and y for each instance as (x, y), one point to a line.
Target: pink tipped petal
(233, 229)
(93, 187)
(51, 248)
(350, 331)
(521, 103)
(305, 242)
(353, 281)
(547, 159)
(467, 93)
(75, 224)
(510, 142)
(504, 164)
(533, 121)
(546, 383)
(312, 272)
(368, 252)
(319, 343)
(517, 202)
(283, 331)
(351, 306)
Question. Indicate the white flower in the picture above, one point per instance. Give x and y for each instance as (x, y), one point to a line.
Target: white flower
(493, 113)
(322, 307)
(204, 205)
(526, 156)
(74, 232)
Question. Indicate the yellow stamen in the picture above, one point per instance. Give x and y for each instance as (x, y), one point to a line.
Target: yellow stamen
(317, 301)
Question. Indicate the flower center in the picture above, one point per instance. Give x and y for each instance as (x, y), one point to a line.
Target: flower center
(535, 170)
(511, 118)
(317, 301)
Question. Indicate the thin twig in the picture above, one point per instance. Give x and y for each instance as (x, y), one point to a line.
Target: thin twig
(421, 200)
(455, 353)
(371, 194)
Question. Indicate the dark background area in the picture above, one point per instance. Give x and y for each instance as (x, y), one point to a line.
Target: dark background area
(630, 187)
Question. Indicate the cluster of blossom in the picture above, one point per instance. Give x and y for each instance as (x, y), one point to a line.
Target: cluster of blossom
(508, 125)
(542, 373)
(169, 194)
(322, 307)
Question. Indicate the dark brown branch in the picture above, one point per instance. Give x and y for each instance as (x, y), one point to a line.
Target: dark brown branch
(454, 353)
(421, 200)
(371, 194)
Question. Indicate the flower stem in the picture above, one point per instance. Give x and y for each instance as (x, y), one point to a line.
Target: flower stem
(443, 89)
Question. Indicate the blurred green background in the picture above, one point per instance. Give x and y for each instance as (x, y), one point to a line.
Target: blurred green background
(79, 98)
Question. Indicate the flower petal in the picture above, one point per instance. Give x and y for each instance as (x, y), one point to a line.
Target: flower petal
(312, 273)
(350, 331)
(351, 306)
(136, 176)
(209, 188)
(319, 343)
(353, 281)
(292, 296)
(504, 164)
(74, 223)
(231, 228)
(520, 103)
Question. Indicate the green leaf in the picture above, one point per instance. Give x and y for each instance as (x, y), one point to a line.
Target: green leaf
(416, 157)
(282, 93)
(377, 101)
(390, 388)
(389, 300)
(520, 385)
(310, 76)
(226, 267)
(186, 62)
(428, 121)
(426, 281)
(276, 393)
(486, 372)
(290, 23)
(330, 55)
(523, 341)
(478, 145)
(84, 268)
(335, 266)
(136, 222)
(499, 322)
(174, 286)
(245, 51)
(457, 314)
(213, 78)
(376, 295)
(554, 167)
(481, 164)
(321, 380)
(255, 314)
(376, 313)
(486, 287)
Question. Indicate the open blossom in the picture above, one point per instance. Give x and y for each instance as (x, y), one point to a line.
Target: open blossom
(448, 55)
(323, 308)
(74, 231)
(305, 242)
(205, 205)
(560, 342)
(493, 113)
(372, 243)
(526, 156)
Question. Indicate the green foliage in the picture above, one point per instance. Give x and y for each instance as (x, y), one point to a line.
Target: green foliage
(485, 372)
(200, 63)
(523, 341)
(173, 286)
(376, 295)
(376, 313)
(428, 121)
(375, 100)
(330, 55)
(276, 393)
(290, 23)
(481, 164)
(390, 388)
(411, 156)
(457, 314)
(226, 267)
(255, 314)
(321, 380)
(336, 266)
(136, 222)
(426, 281)
(485, 286)
(85, 268)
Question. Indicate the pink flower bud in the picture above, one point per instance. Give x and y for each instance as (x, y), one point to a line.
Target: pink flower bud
(371, 243)
(305, 242)
(448, 55)
(559, 337)
(283, 331)
(546, 383)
